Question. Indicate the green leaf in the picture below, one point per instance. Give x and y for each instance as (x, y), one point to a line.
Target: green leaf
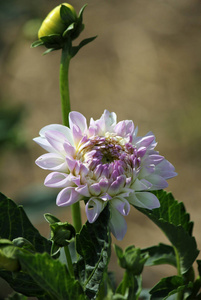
(75, 49)
(93, 244)
(169, 286)
(16, 296)
(173, 211)
(21, 282)
(161, 254)
(52, 276)
(199, 266)
(173, 220)
(14, 223)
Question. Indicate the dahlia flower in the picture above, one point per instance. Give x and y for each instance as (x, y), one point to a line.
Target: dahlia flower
(103, 163)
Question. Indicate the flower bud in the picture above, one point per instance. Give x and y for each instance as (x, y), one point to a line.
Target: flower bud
(53, 23)
(8, 260)
(62, 233)
(62, 26)
(131, 259)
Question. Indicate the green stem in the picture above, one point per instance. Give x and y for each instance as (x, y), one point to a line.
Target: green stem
(178, 262)
(76, 215)
(180, 295)
(69, 261)
(66, 108)
(64, 84)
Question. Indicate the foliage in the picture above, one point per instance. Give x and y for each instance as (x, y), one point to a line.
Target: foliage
(40, 274)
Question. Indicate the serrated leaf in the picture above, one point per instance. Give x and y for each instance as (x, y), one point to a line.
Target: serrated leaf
(93, 244)
(52, 276)
(173, 211)
(14, 223)
(160, 254)
(173, 220)
(169, 286)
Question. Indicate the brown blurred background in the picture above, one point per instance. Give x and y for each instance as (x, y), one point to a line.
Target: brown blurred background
(145, 65)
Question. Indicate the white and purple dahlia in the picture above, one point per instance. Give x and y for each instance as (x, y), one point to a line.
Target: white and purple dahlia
(105, 163)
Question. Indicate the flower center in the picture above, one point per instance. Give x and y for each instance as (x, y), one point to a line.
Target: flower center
(106, 150)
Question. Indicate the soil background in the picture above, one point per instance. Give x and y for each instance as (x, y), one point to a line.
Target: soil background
(145, 65)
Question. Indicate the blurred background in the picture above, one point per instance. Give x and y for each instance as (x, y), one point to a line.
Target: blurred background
(145, 65)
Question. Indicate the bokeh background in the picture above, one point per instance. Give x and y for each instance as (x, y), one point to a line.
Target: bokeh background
(145, 65)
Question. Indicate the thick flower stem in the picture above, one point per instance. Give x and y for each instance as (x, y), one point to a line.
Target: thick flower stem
(69, 261)
(64, 84)
(66, 108)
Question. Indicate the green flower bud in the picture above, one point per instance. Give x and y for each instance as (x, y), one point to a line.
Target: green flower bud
(62, 26)
(62, 233)
(131, 259)
(8, 260)
(53, 23)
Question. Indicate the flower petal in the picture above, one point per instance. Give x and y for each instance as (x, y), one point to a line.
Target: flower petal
(117, 224)
(122, 205)
(56, 140)
(77, 134)
(68, 196)
(117, 185)
(144, 200)
(145, 141)
(76, 118)
(158, 182)
(83, 190)
(60, 128)
(52, 161)
(95, 189)
(41, 141)
(124, 128)
(69, 149)
(141, 185)
(166, 169)
(58, 180)
(93, 209)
